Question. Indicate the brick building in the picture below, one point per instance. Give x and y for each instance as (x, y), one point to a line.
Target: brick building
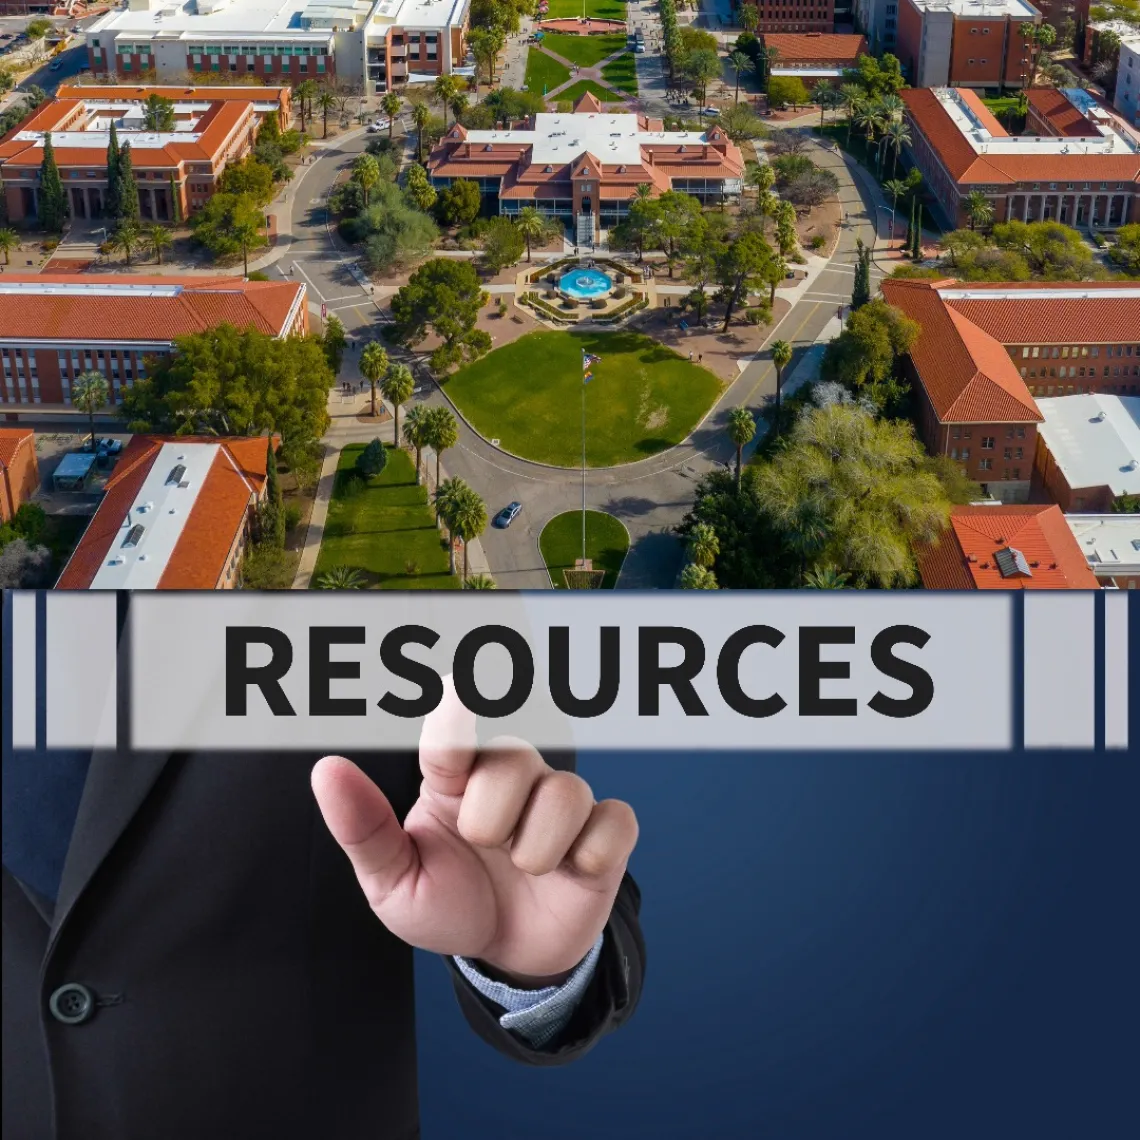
(794, 15)
(55, 326)
(1004, 547)
(585, 167)
(175, 515)
(987, 352)
(176, 171)
(965, 43)
(362, 46)
(1111, 546)
(1081, 177)
(19, 469)
(812, 56)
(1088, 449)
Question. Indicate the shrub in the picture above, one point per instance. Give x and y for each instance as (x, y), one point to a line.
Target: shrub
(351, 487)
(411, 567)
(817, 242)
(372, 460)
(760, 315)
(292, 516)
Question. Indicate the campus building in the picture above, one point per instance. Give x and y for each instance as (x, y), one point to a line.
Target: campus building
(812, 56)
(19, 470)
(794, 15)
(1087, 175)
(1003, 547)
(175, 515)
(585, 167)
(1111, 546)
(878, 20)
(1088, 449)
(55, 326)
(987, 351)
(965, 43)
(345, 43)
(176, 171)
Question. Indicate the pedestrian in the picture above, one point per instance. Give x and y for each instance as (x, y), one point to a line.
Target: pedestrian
(690, 356)
(700, 358)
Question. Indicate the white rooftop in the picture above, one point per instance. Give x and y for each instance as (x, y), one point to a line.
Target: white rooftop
(1127, 32)
(419, 13)
(1094, 439)
(95, 288)
(281, 18)
(609, 138)
(1109, 140)
(1110, 543)
(136, 559)
(980, 9)
(100, 140)
(809, 72)
(1057, 293)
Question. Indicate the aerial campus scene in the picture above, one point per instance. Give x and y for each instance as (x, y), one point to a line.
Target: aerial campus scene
(586, 294)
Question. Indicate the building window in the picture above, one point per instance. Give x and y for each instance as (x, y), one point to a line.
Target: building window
(985, 464)
(987, 443)
(965, 453)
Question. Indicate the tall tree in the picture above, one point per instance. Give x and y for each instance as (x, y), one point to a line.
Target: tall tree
(390, 105)
(781, 356)
(448, 495)
(420, 192)
(445, 296)
(373, 366)
(325, 102)
(90, 393)
(677, 216)
(273, 511)
(742, 65)
(129, 210)
(397, 388)
(158, 114)
(446, 87)
(468, 521)
(443, 433)
(741, 429)
(703, 545)
(416, 432)
(158, 239)
(112, 198)
(861, 293)
(420, 117)
(694, 577)
(978, 208)
(532, 225)
(53, 197)
(366, 172)
(9, 240)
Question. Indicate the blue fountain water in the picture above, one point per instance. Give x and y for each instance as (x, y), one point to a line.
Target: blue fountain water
(584, 284)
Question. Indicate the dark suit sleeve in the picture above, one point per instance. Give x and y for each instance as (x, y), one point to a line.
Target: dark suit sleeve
(608, 1002)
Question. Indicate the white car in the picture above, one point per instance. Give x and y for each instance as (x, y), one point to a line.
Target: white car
(712, 111)
(378, 125)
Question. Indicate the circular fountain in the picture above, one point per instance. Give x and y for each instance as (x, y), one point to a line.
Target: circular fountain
(585, 283)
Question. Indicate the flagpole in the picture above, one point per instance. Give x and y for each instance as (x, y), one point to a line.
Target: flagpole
(583, 469)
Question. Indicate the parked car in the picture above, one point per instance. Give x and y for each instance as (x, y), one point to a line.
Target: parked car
(378, 125)
(54, 65)
(712, 111)
(507, 515)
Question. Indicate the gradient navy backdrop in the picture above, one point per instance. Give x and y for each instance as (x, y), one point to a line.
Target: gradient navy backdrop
(907, 946)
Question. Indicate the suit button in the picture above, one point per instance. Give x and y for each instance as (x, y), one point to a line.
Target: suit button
(72, 1004)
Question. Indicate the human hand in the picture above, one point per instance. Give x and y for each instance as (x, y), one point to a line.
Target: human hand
(501, 859)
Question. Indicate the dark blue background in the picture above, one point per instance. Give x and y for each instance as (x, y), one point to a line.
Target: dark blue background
(847, 946)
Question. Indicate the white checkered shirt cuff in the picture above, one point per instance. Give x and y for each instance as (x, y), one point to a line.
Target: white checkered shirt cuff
(538, 1016)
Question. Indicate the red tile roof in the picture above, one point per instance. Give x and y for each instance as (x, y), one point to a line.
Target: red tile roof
(1060, 115)
(967, 167)
(967, 374)
(817, 47)
(201, 303)
(965, 556)
(11, 440)
(198, 561)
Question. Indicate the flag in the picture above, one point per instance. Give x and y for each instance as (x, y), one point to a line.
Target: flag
(587, 360)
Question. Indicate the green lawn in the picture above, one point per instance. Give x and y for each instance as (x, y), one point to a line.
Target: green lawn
(384, 527)
(595, 10)
(607, 542)
(528, 395)
(585, 51)
(543, 73)
(622, 73)
(573, 94)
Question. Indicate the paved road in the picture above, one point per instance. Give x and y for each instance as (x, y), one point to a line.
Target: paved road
(649, 497)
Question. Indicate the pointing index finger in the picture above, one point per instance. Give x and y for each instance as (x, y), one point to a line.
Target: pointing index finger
(448, 744)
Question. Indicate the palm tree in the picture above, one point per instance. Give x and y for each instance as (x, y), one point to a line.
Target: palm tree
(443, 432)
(695, 577)
(125, 238)
(247, 233)
(446, 88)
(851, 97)
(303, 92)
(326, 102)
(895, 187)
(373, 365)
(642, 191)
(9, 240)
(742, 65)
(420, 116)
(741, 429)
(869, 118)
(341, 578)
(532, 225)
(978, 208)
(469, 520)
(390, 105)
(481, 582)
(447, 496)
(703, 545)
(416, 433)
(781, 355)
(826, 97)
(366, 171)
(760, 175)
(158, 238)
(891, 106)
(458, 103)
(396, 388)
(89, 393)
(900, 136)
(828, 577)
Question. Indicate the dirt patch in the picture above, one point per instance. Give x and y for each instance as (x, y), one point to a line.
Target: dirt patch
(822, 221)
(382, 416)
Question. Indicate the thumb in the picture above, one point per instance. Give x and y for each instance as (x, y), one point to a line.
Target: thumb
(362, 821)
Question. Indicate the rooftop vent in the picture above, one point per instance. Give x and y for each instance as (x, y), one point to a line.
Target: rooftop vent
(134, 535)
(175, 475)
(1011, 562)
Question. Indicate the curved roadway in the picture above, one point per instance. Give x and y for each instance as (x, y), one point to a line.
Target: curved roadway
(650, 496)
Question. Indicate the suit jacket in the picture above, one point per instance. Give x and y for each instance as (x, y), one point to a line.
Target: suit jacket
(242, 986)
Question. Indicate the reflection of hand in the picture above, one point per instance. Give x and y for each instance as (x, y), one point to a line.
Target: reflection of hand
(501, 859)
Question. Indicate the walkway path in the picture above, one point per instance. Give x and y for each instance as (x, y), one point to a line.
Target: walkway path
(593, 73)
